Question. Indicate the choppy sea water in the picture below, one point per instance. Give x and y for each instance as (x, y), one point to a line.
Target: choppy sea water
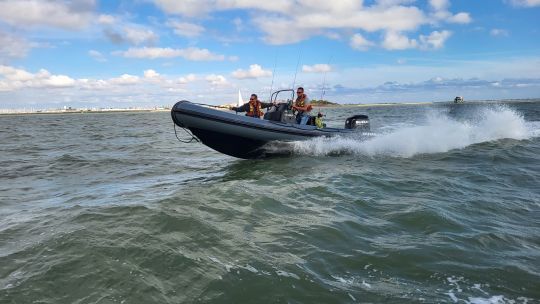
(442, 206)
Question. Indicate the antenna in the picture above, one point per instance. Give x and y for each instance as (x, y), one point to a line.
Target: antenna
(324, 80)
(297, 63)
(273, 74)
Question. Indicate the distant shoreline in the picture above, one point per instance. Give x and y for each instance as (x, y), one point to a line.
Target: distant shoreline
(389, 104)
(51, 112)
(386, 104)
(330, 106)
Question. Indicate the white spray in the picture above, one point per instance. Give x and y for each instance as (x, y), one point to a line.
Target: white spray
(439, 134)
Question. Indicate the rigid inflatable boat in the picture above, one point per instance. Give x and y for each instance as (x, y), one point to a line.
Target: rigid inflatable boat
(245, 137)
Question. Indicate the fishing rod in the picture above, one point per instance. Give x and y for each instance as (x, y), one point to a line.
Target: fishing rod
(324, 79)
(295, 73)
(323, 91)
(297, 63)
(273, 75)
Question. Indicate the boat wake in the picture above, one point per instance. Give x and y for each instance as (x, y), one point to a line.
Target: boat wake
(441, 133)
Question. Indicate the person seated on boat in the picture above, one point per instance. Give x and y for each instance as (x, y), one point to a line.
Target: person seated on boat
(303, 106)
(254, 107)
(319, 121)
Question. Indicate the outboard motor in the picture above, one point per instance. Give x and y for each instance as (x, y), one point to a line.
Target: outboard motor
(359, 122)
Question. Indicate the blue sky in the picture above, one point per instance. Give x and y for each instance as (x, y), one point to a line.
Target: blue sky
(92, 53)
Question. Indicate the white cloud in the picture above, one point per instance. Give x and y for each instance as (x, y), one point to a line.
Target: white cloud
(186, 79)
(13, 74)
(194, 8)
(499, 32)
(217, 80)
(342, 6)
(526, 3)
(255, 71)
(59, 81)
(389, 3)
(5, 87)
(358, 42)
(333, 35)
(67, 15)
(192, 53)
(238, 24)
(120, 30)
(150, 77)
(317, 68)
(462, 18)
(92, 84)
(441, 13)
(139, 35)
(106, 19)
(151, 74)
(21, 87)
(132, 35)
(186, 7)
(300, 27)
(439, 5)
(275, 29)
(17, 78)
(443, 89)
(186, 29)
(98, 56)
(125, 79)
(12, 46)
(398, 41)
(408, 81)
(302, 19)
(435, 40)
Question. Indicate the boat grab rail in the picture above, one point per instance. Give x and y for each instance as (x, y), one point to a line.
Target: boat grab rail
(273, 97)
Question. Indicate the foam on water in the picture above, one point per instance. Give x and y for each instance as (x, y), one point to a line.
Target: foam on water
(459, 285)
(440, 134)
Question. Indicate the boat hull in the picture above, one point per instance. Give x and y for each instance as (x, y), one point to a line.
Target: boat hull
(237, 146)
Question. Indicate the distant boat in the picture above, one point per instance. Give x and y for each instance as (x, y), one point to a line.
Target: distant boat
(240, 101)
(458, 99)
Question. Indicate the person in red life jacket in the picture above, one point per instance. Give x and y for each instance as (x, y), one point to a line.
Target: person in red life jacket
(253, 108)
(302, 105)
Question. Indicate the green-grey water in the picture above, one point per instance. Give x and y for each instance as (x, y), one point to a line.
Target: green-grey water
(442, 206)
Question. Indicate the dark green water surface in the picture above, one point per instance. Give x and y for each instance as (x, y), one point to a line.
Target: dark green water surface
(442, 206)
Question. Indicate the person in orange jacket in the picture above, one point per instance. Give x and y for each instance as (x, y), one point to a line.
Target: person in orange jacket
(253, 108)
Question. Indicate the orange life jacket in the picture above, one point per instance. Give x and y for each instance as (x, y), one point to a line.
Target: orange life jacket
(300, 101)
(255, 109)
